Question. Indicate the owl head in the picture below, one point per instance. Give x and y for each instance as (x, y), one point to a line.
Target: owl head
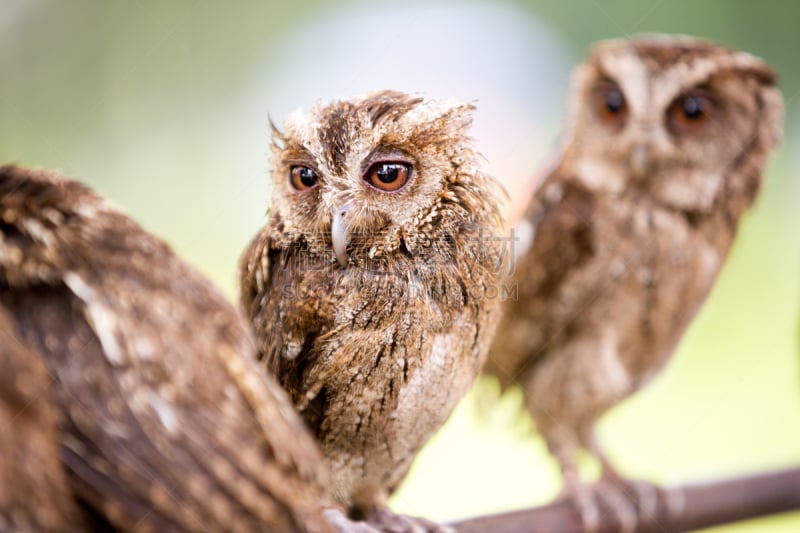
(370, 176)
(687, 120)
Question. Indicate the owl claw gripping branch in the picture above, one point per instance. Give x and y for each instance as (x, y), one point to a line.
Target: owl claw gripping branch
(369, 288)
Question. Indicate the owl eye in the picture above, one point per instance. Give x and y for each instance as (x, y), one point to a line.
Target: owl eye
(610, 104)
(691, 111)
(388, 176)
(303, 178)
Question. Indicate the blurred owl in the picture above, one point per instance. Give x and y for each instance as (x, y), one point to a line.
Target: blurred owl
(371, 287)
(129, 376)
(667, 141)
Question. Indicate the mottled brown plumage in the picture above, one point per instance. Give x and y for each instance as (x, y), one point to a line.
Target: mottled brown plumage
(370, 305)
(667, 142)
(34, 493)
(165, 422)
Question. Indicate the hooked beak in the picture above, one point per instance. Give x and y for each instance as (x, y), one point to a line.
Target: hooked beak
(639, 160)
(340, 232)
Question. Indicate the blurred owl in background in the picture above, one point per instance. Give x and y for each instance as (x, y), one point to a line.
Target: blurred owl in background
(370, 287)
(667, 141)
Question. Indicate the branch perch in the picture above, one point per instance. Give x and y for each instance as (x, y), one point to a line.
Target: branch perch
(699, 506)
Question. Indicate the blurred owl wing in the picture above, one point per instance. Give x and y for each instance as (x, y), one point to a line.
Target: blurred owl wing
(167, 421)
(34, 493)
(560, 218)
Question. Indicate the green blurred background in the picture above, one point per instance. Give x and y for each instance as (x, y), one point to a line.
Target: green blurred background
(162, 107)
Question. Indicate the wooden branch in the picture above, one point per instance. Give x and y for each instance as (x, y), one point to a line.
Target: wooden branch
(694, 506)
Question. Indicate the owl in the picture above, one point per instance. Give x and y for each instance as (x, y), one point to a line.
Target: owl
(619, 248)
(133, 382)
(371, 288)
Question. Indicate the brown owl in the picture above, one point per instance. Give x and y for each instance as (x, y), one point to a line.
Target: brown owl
(164, 422)
(371, 287)
(668, 138)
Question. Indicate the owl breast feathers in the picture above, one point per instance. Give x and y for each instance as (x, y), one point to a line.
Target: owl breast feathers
(370, 288)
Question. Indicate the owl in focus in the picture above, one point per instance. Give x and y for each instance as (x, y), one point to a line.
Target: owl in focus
(667, 141)
(371, 287)
(131, 383)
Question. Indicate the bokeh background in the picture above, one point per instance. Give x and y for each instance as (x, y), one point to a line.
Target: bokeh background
(163, 106)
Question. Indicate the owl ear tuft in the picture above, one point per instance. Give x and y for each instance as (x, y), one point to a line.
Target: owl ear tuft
(750, 65)
(389, 105)
(278, 137)
(460, 116)
(440, 122)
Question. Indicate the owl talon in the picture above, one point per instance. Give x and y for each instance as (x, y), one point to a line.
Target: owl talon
(586, 505)
(613, 496)
(630, 501)
(582, 498)
(647, 497)
(619, 502)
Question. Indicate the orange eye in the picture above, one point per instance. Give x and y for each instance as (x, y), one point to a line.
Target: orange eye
(610, 104)
(303, 178)
(388, 176)
(691, 111)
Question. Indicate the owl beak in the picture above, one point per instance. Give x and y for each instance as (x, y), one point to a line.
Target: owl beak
(639, 161)
(340, 232)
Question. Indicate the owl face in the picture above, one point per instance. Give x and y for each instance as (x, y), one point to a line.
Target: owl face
(669, 114)
(355, 177)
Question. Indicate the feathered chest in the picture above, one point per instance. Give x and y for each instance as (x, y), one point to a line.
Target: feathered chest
(626, 257)
(658, 245)
(335, 331)
(312, 301)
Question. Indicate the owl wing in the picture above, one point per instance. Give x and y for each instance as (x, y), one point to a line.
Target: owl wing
(254, 271)
(258, 287)
(167, 422)
(561, 216)
(34, 493)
